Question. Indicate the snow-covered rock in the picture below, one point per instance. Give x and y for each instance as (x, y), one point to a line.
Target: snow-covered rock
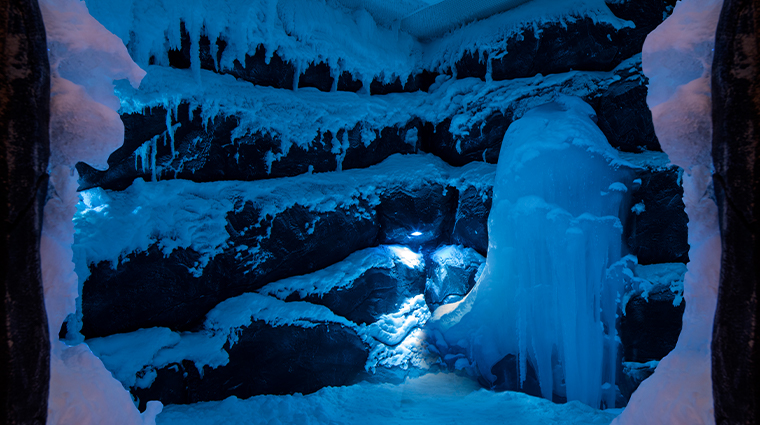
(366, 285)
(451, 274)
(206, 242)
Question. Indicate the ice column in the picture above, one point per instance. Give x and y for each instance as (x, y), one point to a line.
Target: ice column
(85, 59)
(554, 231)
(677, 58)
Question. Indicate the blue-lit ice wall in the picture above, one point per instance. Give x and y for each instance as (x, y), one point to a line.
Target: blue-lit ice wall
(555, 229)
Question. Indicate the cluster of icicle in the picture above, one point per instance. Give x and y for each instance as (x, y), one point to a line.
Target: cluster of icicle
(548, 295)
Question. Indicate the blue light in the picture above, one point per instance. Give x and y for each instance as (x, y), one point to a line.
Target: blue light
(416, 233)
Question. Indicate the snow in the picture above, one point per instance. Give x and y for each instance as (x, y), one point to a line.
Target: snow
(677, 58)
(644, 279)
(235, 313)
(84, 126)
(545, 295)
(433, 399)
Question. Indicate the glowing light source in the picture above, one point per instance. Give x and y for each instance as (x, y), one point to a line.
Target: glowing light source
(416, 234)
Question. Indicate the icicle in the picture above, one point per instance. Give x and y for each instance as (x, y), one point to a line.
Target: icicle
(153, 149)
(489, 70)
(296, 75)
(170, 131)
(142, 156)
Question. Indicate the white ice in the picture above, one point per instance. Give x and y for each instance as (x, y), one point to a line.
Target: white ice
(84, 126)
(677, 58)
(554, 230)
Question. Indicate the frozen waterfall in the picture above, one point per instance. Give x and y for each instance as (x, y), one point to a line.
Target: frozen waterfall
(548, 297)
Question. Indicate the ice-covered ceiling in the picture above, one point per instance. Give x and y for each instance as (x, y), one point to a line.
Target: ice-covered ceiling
(427, 19)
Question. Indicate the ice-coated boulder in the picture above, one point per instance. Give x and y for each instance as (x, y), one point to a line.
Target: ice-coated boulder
(248, 345)
(206, 242)
(366, 285)
(452, 272)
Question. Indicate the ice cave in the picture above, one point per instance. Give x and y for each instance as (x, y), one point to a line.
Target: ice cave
(380, 212)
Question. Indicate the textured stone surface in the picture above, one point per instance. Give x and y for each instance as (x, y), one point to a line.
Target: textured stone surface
(659, 233)
(471, 225)
(736, 147)
(417, 215)
(646, 14)
(624, 117)
(266, 360)
(560, 47)
(128, 298)
(24, 151)
(650, 327)
(483, 142)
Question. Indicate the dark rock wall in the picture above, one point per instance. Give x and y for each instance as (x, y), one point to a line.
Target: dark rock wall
(658, 233)
(24, 151)
(736, 150)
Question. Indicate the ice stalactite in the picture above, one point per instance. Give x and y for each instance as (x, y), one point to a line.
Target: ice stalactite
(85, 59)
(677, 58)
(546, 296)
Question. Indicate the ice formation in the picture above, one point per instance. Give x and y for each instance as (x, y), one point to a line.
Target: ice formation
(545, 295)
(677, 58)
(85, 59)
(301, 118)
(301, 32)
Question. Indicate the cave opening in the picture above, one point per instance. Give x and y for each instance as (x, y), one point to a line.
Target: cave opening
(337, 211)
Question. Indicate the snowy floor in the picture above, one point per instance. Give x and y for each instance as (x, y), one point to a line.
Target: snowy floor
(439, 399)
